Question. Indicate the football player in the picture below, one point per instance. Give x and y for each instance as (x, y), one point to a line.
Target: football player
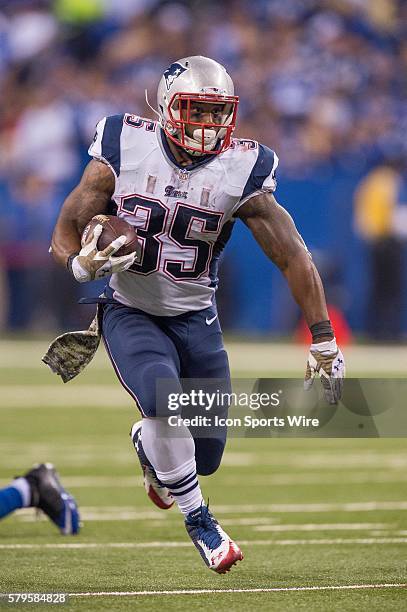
(182, 181)
(41, 488)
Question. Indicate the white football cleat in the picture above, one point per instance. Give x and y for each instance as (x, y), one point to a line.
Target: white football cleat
(159, 495)
(216, 548)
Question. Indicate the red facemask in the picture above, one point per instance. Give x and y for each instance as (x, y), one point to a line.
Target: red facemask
(185, 101)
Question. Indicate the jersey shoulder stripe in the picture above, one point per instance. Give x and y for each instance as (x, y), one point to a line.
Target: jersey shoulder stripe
(111, 141)
(106, 144)
(262, 175)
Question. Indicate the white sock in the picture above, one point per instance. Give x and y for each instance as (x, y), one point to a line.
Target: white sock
(174, 462)
(22, 486)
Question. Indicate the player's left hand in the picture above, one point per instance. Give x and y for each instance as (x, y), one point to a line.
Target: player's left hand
(326, 359)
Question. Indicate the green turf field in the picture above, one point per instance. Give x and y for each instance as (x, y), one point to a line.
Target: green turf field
(310, 515)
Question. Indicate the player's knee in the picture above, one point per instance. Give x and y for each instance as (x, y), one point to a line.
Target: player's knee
(207, 466)
(208, 455)
(151, 372)
(149, 397)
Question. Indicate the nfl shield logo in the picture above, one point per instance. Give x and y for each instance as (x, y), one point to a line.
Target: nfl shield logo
(183, 174)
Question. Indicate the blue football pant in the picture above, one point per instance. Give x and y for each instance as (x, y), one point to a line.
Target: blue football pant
(144, 348)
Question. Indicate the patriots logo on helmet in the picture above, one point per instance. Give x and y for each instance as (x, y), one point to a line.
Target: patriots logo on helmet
(172, 73)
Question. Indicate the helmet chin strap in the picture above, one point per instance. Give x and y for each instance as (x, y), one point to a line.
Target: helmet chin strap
(149, 105)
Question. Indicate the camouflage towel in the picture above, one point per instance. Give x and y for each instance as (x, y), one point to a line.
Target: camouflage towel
(70, 353)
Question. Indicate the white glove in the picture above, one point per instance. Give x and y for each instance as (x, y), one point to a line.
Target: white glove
(91, 264)
(326, 359)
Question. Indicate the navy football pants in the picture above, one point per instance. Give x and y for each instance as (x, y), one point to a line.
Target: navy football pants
(144, 347)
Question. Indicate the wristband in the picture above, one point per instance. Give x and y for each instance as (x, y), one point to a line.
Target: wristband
(69, 262)
(323, 328)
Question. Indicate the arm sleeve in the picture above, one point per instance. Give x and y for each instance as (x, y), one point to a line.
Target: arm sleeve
(106, 142)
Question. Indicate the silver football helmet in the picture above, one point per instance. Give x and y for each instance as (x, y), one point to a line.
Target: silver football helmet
(191, 83)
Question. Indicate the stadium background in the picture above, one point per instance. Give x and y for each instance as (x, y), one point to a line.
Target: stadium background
(321, 82)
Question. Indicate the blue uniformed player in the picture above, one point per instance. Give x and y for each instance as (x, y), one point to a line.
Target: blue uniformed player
(41, 488)
(182, 181)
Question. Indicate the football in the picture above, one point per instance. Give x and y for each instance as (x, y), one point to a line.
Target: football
(113, 227)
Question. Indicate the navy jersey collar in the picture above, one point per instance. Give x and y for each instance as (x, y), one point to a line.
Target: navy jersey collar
(202, 161)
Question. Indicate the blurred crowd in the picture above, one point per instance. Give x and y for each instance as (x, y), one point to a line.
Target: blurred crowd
(318, 80)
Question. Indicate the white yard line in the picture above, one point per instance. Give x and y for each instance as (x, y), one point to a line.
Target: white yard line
(95, 482)
(170, 544)
(257, 523)
(260, 508)
(220, 591)
(324, 460)
(122, 513)
(112, 517)
(74, 396)
(80, 453)
(322, 527)
(72, 454)
(124, 482)
(334, 587)
(318, 478)
(100, 513)
(368, 506)
(243, 356)
(30, 516)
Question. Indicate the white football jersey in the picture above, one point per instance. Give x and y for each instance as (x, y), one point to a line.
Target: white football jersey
(183, 215)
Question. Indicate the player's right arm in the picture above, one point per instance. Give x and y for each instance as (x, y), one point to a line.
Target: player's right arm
(89, 198)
